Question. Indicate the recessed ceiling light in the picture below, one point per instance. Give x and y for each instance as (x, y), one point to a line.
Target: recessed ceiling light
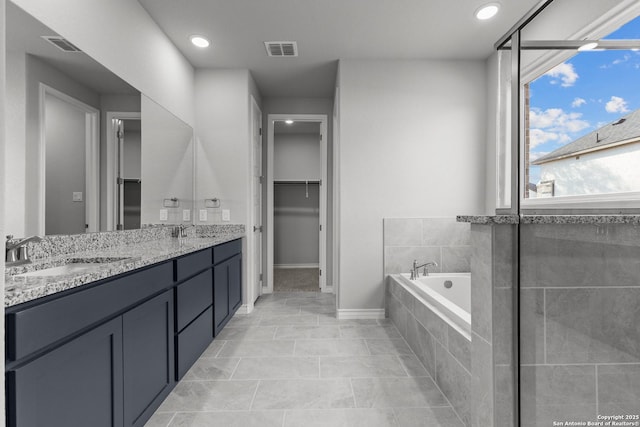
(588, 46)
(289, 122)
(199, 41)
(487, 11)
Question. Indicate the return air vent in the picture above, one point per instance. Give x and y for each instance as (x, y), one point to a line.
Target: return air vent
(281, 49)
(62, 43)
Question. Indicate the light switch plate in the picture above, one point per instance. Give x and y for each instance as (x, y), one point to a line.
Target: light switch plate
(77, 196)
(164, 214)
(226, 215)
(203, 214)
(186, 214)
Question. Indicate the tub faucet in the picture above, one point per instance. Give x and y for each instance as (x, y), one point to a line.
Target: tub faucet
(415, 273)
(17, 252)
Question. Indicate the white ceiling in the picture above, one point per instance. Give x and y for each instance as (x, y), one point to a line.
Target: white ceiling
(328, 30)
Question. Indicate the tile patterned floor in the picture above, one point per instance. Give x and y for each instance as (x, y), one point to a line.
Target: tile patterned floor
(291, 363)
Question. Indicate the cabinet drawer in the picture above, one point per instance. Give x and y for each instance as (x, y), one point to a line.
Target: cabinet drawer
(226, 250)
(190, 264)
(40, 325)
(193, 341)
(193, 297)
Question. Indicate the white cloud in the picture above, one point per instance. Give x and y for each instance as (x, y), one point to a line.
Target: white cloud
(539, 136)
(556, 120)
(578, 102)
(533, 156)
(616, 105)
(565, 72)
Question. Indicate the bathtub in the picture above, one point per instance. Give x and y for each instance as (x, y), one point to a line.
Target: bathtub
(452, 304)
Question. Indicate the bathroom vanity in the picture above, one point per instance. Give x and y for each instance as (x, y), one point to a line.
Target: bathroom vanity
(107, 352)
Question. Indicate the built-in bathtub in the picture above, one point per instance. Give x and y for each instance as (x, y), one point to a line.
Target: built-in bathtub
(446, 294)
(435, 320)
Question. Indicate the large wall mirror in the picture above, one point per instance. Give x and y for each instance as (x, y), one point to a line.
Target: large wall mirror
(86, 151)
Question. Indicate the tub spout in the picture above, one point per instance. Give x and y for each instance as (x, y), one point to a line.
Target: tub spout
(415, 273)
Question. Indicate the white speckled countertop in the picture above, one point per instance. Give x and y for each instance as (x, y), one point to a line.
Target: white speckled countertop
(20, 289)
(550, 219)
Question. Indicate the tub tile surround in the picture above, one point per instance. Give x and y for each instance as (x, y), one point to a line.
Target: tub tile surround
(130, 250)
(442, 240)
(443, 350)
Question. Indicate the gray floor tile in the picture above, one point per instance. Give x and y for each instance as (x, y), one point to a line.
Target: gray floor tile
(247, 333)
(214, 348)
(369, 331)
(257, 348)
(209, 368)
(361, 367)
(259, 368)
(210, 396)
(160, 419)
(303, 394)
(331, 348)
(307, 332)
(340, 418)
(229, 419)
(412, 365)
(427, 417)
(388, 346)
(307, 319)
(397, 393)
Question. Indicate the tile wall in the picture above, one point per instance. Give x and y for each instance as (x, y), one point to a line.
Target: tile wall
(442, 240)
(580, 321)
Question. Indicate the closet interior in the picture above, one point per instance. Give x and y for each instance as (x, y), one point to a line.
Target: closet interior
(296, 206)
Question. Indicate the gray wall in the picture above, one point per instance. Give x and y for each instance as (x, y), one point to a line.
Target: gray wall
(295, 222)
(296, 156)
(271, 105)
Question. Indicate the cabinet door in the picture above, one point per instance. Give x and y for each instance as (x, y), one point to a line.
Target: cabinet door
(77, 384)
(220, 296)
(235, 283)
(148, 357)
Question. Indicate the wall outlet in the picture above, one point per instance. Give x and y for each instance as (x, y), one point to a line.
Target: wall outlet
(226, 215)
(186, 214)
(203, 214)
(77, 196)
(164, 214)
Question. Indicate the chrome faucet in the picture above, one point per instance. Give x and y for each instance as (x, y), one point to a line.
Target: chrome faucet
(415, 273)
(17, 252)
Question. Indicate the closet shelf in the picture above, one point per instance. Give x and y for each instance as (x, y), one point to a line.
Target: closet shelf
(296, 181)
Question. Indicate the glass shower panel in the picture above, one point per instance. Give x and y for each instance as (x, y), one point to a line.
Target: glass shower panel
(579, 323)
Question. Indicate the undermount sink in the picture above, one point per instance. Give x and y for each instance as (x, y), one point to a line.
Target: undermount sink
(72, 266)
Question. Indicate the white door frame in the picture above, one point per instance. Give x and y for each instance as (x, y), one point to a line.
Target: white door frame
(322, 119)
(92, 157)
(253, 265)
(111, 163)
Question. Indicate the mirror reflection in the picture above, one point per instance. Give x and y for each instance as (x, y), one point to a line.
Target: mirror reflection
(78, 142)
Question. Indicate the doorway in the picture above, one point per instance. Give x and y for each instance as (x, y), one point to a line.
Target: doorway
(124, 165)
(296, 203)
(69, 147)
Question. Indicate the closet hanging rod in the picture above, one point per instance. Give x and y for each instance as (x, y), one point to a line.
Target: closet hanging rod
(284, 181)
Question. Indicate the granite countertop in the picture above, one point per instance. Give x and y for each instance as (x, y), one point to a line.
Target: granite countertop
(550, 219)
(121, 259)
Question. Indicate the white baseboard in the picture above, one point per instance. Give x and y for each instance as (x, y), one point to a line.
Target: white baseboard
(296, 265)
(245, 309)
(327, 290)
(366, 313)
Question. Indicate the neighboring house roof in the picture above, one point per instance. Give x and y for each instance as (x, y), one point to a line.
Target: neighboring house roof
(622, 131)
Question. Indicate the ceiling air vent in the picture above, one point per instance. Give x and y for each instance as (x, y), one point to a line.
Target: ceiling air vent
(62, 43)
(281, 48)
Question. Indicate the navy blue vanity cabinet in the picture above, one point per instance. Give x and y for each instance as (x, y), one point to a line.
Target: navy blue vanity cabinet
(194, 311)
(77, 384)
(97, 355)
(227, 282)
(148, 355)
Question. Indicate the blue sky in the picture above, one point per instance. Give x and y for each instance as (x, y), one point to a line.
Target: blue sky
(584, 93)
